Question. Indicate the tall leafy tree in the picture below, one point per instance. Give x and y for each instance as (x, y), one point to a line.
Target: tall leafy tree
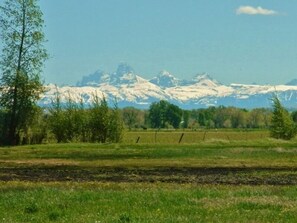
(162, 113)
(131, 116)
(99, 120)
(282, 124)
(57, 119)
(174, 115)
(23, 55)
(155, 115)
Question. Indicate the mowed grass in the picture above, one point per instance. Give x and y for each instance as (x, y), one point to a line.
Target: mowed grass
(97, 202)
(261, 198)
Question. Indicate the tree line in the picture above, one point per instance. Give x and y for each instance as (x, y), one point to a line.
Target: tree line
(168, 116)
(74, 122)
(281, 123)
(70, 122)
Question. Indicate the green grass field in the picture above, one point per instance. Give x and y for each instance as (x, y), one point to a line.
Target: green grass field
(173, 137)
(110, 202)
(244, 179)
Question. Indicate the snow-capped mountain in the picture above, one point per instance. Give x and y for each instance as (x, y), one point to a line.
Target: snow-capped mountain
(124, 75)
(130, 89)
(166, 80)
(204, 80)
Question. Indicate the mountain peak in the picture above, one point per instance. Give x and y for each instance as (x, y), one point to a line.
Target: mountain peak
(124, 75)
(123, 69)
(94, 79)
(165, 73)
(205, 80)
(165, 80)
(202, 76)
(201, 91)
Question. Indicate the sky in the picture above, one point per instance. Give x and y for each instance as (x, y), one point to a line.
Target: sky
(234, 41)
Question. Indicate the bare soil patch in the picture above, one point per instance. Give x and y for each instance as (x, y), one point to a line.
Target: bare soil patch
(217, 175)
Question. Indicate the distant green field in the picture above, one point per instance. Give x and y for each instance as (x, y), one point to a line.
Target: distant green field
(173, 137)
(221, 153)
(213, 180)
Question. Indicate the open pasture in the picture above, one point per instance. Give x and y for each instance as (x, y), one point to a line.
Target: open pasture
(145, 202)
(215, 180)
(175, 137)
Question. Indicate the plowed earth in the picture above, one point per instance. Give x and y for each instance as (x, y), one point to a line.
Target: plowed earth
(217, 175)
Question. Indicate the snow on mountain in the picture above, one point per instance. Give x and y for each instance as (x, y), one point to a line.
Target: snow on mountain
(245, 89)
(204, 80)
(123, 86)
(141, 93)
(129, 89)
(165, 80)
(201, 86)
(124, 75)
(85, 93)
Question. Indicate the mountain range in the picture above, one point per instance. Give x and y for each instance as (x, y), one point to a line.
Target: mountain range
(130, 89)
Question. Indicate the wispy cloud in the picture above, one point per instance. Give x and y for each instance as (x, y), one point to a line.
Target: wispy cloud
(249, 10)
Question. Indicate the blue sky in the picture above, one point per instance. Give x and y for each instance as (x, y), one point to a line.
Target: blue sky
(254, 43)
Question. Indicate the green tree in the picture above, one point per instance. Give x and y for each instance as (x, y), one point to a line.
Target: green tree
(99, 120)
(185, 119)
(131, 117)
(163, 113)
(259, 118)
(116, 125)
(75, 120)
(57, 119)
(282, 125)
(294, 116)
(37, 130)
(222, 117)
(201, 118)
(21, 63)
(174, 115)
(155, 116)
(238, 117)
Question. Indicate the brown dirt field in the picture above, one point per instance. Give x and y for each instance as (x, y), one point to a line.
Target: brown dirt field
(217, 175)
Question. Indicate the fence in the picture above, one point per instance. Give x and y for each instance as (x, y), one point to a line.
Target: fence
(175, 137)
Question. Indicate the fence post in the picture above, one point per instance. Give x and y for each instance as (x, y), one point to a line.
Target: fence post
(181, 137)
(228, 137)
(204, 136)
(137, 141)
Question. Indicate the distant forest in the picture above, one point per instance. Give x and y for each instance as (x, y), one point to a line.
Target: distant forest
(168, 116)
(72, 122)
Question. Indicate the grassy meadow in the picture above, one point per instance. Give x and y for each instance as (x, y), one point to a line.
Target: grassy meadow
(110, 202)
(225, 176)
(173, 137)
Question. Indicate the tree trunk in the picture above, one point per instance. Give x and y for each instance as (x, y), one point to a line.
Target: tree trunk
(14, 117)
